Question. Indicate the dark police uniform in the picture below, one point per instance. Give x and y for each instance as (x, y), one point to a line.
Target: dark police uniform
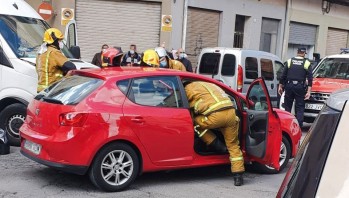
(294, 76)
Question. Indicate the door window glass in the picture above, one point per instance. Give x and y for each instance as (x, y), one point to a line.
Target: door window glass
(123, 84)
(251, 68)
(279, 68)
(258, 97)
(157, 91)
(228, 67)
(209, 63)
(71, 40)
(267, 69)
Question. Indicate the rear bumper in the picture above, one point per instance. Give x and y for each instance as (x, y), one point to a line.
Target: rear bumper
(80, 170)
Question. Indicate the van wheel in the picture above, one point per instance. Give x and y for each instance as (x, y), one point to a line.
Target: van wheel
(12, 118)
(285, 154)
(115, 167)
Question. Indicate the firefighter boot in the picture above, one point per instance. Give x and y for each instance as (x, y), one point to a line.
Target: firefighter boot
(238, 180)
(217, 146)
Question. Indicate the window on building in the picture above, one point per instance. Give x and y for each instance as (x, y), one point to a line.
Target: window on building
(239, 31)
(251, 68)
(269, 35)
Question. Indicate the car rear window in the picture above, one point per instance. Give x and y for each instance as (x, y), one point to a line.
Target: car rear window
(209, 63)
(70, 90)
(228, 67)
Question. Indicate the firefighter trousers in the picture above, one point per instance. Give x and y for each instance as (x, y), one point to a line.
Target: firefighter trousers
(228, 124)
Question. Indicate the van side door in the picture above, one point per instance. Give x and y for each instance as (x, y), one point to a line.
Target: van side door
(263, 133)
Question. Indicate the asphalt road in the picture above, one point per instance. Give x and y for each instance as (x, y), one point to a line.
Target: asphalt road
(21, 177)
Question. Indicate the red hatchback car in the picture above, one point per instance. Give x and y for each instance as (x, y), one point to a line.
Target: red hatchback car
(116, 123)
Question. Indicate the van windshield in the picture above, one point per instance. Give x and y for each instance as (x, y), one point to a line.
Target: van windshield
(336, 68)
(24, 35)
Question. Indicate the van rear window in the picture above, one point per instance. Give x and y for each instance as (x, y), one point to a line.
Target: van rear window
(70, 90)
(228, 67)
(209, 63)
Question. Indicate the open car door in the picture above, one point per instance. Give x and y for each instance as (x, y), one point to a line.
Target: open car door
(70, 36)
(263, 135)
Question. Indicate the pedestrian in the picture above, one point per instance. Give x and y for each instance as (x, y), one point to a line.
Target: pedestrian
(182, 58)
(51, 64)
(98, 57)
(213, 109)
(131, 58)
(297, 72)
(166, 62)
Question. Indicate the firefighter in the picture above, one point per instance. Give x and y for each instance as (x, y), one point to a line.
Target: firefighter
(51, 64)
(113, 57)
(150, 58)
(214, 110)
(166, 62)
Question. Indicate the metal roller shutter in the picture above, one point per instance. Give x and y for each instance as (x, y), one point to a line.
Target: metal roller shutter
(117, 23)
(302, 34)
(336, 39)
(202, 31)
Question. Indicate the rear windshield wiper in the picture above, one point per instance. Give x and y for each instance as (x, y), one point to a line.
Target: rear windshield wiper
(51, 100)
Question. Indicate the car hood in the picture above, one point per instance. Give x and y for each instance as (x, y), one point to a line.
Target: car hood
(328, 85)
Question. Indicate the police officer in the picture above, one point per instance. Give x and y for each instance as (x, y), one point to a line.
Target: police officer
(51, 64)
(296, 80)
(213, 109)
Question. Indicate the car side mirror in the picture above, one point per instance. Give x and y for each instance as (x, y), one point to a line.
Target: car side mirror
(75, 50)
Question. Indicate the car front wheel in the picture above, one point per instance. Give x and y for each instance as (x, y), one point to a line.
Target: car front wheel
(285, 154)
(115, 167)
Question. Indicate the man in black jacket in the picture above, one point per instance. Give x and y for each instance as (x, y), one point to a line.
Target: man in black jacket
(182, 58)
(98, 59)
(131, 58)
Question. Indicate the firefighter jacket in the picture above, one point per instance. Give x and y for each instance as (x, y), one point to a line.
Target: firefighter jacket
(49, 67)
(206, 98)
(175, 64)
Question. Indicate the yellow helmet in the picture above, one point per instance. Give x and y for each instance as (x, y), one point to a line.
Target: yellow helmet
(52, 34)
(151, 58)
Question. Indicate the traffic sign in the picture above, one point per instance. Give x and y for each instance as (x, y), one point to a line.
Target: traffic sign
(45, 10)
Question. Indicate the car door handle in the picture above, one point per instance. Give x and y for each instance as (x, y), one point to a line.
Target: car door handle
(137, 119)
(251, 117)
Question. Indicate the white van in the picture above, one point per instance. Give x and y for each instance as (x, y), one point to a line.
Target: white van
(237, 68)
(21, 33)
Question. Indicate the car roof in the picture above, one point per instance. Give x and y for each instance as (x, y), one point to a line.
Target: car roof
(338, 56)
(132, 72)
(248, 51)
(338, 98)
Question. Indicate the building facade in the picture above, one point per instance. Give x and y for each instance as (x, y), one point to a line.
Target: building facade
(276, 26)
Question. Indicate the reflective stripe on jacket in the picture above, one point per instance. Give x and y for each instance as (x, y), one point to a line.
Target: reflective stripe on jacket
(48, 67)
(206, 98)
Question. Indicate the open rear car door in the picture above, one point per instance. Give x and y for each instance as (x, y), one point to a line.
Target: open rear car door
(263, 135)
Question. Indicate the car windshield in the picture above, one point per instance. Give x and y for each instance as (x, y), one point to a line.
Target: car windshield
(336, 68)
(70, 90)
(24, 35)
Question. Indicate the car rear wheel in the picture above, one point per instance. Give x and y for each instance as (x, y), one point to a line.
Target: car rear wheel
(115, 167)
(285, 154)
(11, 119)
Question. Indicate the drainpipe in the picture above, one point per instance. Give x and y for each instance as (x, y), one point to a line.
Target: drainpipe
(185, 19)
(286, 23)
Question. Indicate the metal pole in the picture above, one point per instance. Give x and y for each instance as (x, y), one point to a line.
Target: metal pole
(185, 19)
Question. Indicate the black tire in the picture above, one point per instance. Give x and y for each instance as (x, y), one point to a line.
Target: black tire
(116, 169)
(12, 117)
(286, 149)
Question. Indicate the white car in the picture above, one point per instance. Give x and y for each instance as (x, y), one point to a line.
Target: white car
(320, 168)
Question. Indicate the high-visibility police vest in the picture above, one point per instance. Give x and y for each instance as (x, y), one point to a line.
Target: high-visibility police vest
(297, 68)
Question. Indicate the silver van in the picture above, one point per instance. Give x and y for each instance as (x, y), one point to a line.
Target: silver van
(237, 68)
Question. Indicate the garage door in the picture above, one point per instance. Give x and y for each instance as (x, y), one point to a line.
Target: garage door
(302, 34)
(336, 39)
(117, 23)
(202, 31)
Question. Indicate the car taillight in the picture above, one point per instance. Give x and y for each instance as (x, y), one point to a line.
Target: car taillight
(240, 79)
(72, 119)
